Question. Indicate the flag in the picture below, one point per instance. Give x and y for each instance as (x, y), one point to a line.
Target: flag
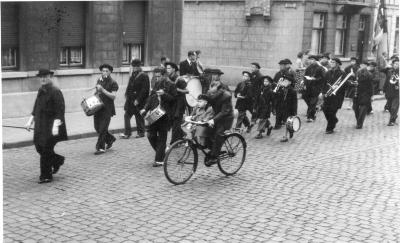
(380, 28)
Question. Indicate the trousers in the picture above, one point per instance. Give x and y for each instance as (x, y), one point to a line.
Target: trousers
(330, 115)
(176, 130)
(394, 108)
(48, 159)
(219, 137)
(139, 121)
(157, 136)
(311, 102)
(360, 111)
(101, 124)
(242, 119)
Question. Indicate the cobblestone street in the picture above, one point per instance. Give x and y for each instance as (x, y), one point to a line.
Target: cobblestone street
(343, 187)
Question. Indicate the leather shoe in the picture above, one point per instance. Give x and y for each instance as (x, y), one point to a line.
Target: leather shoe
(139, 136)
(100, 151)
(124, 136)
(57, 166)
(329, 132)
(44, 180)
(109, 145)
(258, 136)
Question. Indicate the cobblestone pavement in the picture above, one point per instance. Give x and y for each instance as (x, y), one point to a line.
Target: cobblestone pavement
(343, 187)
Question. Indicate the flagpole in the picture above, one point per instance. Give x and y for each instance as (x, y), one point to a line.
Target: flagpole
(387, 30)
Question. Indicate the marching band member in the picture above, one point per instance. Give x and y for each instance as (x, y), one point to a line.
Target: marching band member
(200, 66)
(189, 66)
(136, 94)
(283, 96)
(264, 105)
(256, 83)
(244, 103)
(333, 102)
(163, 95)
(324, 61)
(362, 95)
(220, 99)
(392, 90)
(48, 117)
(106, 89)
(171, 71)
(349, 92)
(313, 82)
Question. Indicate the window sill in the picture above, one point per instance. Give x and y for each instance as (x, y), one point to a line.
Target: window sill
(67, 72)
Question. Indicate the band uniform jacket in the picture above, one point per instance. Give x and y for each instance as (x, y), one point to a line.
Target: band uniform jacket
(167, 99)
(391, 90)
(49, 105)
(364, 89)
(244, 89)
(349, 92)
(264, 102)
(138, 89)
(333, 102)
(313, 87)
(221, 102)
(188, 69)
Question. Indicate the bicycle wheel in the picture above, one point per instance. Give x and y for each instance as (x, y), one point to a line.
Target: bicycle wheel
(180, 162)
(233, 154)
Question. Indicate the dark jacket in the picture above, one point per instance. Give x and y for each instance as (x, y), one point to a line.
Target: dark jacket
(264, 102)
(256, 83)
(314, 87)
(188, 69)
(167, 99)
(244, 88)
(137, 89)
(221, 102)
(364, 88)
(333, 102)
(391, 90)
(110, 85)
(49, 105)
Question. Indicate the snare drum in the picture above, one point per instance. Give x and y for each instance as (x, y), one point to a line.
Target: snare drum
(91, 105)
(293, 123)
(155, 114)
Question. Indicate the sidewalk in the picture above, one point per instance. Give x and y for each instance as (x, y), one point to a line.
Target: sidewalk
(78, 126)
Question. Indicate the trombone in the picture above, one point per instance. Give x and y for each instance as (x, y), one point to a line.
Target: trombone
(338, 84)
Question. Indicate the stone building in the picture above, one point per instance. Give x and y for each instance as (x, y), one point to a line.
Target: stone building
(233, 33)
(74, 38)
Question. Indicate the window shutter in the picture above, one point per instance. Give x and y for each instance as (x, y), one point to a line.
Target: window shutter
(133, 25)
(9, 25)
(72, 24)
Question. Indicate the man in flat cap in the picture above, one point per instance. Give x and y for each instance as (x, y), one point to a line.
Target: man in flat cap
(285, 97)
(136, 94)
(244, 103)
(313, 83)
(391, 90)
(333, 103)
(106, 89)
(48, 117)
(349, 92)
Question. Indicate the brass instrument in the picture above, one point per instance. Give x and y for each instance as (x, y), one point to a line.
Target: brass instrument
(281, 83)
(394, 79)
(338, 84)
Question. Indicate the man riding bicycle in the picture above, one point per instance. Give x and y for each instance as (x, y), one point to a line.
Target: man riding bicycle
(220, 98)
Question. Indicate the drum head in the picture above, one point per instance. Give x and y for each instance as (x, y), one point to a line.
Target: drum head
(194, 87)
(296, 124)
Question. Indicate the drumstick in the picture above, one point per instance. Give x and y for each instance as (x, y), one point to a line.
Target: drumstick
(17, 127)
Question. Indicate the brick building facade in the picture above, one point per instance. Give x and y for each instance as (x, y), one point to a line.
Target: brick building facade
(74, 38)
(233, 33)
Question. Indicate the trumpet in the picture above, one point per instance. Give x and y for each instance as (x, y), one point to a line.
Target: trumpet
(394, 79)
(338, 84)
(278, 85)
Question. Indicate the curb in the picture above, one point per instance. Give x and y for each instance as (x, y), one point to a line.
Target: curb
(94, 134)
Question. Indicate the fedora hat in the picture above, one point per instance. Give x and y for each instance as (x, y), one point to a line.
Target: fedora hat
(44, 72)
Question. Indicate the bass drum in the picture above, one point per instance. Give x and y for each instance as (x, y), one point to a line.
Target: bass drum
(293, 123)
(195, 89)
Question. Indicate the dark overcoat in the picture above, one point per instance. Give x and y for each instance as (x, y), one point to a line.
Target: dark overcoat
(49, 105)
(333, 102)
(137, 89)
(244, 89)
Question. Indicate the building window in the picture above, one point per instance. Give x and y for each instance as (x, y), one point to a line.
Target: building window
(396, 37)
(9, 36)
(318, 31)
(133, 31)
(71, 56)
(340, 38)
(132, 51)
(9, 58)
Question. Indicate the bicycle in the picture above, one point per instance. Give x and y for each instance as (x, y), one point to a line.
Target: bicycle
(181, 159)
